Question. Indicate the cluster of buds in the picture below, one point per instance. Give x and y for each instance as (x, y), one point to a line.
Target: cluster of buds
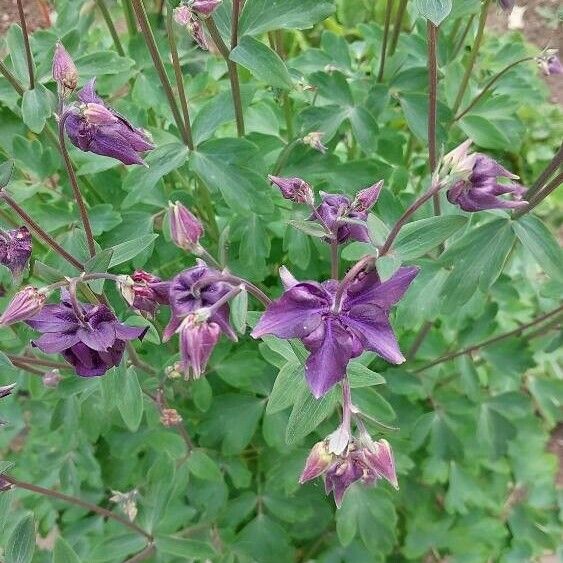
(362, 460)
(170, 417)
(189, 15)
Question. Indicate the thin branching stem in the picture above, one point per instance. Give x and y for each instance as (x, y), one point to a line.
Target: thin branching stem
(388, 10)
(28, 56)
(111, 27)
(540, 196)
(548, 171)
(432, 32)
(398, 26)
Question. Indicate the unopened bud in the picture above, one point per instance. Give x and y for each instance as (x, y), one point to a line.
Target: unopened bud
(380, 457)
(185, 228)
(182, 15)
(365, 199)
(318, 461)
(64, 69)
(294, 189)
(170, 417)
(204, 7)
(460, 161)
(25, 304)
(127, 502)
(52, 378)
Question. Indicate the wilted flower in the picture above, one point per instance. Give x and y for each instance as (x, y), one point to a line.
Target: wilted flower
(6, 390)
(479, 189)
(294, 189)
(335, 332)
(64, 70)
(343, 217)
(170, 417)
(96, 128)
(318, 461)
(173, 371)
(127, 502)
(15, 249)
(24, 305)
(52, 378)
(92, 339)
(144, 292)
(185, 227)
(314, 140)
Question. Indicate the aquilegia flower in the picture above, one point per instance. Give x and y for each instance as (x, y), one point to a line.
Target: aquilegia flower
(185, 228)
(507, 5)
(336, 211)
(15, 249)
(144, 292)
(335, 329)
(91, 339)
(294, 189)
(94, 127)
(193, 294)
(204, 8)
(25, 304)
(476, 187)
(550, 63)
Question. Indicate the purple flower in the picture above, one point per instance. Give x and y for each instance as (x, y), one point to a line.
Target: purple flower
(318, 461)
(148, 292)
(15, 249)
(379, 456)
(6, 390)
(24, 305)
(551, 65)
(90, 339)
(185, 227)
(507, 5)
(480, 190)
(52, 378)
(197, 341)
(101, 130)
(335, 332)
(64, 70)
(294, 189)
(204, 7)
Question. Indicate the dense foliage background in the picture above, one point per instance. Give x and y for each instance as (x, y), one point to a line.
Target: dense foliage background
(470, 432)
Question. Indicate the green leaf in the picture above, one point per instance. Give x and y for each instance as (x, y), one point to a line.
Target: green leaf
(203, 467)
(6, 465)
(6, 170)
(63, 552)
(309, 227)
(541, 244)
(371, 403)
(99, 263)
(419, 237)
(262, 62)
(289, 384)
(127, 250)
(36, 107)
(116, 548)
(259, 16)
(484, 132)
(308, 413)
(102, 62)
(434, 10)
(130, 400)
(333, 87)
(16, 46)
(239, 310)
(361, 376)
(21, 543)
(184, 548)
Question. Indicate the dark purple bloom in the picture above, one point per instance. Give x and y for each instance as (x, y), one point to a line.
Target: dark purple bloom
(334, 332)
(25, 304)
(294, 189)
(92, 341)
(185, 228)
(481, 190)
(15, 249)
(96, 128)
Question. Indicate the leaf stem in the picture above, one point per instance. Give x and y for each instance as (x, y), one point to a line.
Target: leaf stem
(284, 155)
(109, 22)
(34, 360)
(129, 17)
(473, 56)
(432, 34)
(398, 25)
(388, 10)
(28, 56)
(555, 163)
(540, 196)
(461, 42)
(77, 502)
(16, 84)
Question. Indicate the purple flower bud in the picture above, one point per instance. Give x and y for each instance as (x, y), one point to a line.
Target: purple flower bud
(15, 249)
(6, 390)
(314, 140)
(204, 7)
(64, 70)
(380, 458)
(318, 461)
(197, 340)
(52, 378)
(182, 15)
(346, 471)
(365, 199)
(507, 5)
(4, 484)
(553, 66)
(198, 34)
(185, 227)
(294, 189)
(97, 114)
(24, 305)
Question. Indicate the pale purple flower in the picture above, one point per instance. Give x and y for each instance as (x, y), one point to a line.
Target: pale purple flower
(204, 8)
(507, 5)
(15, 249)
(185, 228)
(182, 15)
(185, 17)
(96, 128)
(25, 304)
(52, 378)
(92, 339)
(553, 66)
(6, 390)
(481, 190)
(379, 456)
(365, 199)
(294, 189)
(197, 341)
(64, 69)
(334, 332)
(318, 461)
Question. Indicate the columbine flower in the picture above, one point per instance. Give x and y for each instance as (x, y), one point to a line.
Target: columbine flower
(550, 63)
(6, 390)
(318, 461)
(478, 189)
(64, 70)
(185, 227)
(336, 210)
(294, 189)
(191, 299)
(15, 249)
(335, 332)
(52, 378)
(507, 5)
(24, 305)
(92, 340)
(315, 141)
(144, 292)
(96, 128)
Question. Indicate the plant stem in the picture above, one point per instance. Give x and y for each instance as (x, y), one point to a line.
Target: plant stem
(398, 25)
(555, 163)
(232, 70)
(432, 32)
(334, 259)
(34, 361)
(129, 17)
(540, 196)
(388, 11)
(489, 85)
(490, 341)
(473, 56)
(75, 189)
(234, 23)
(28, 56)
(288, 115)
(77, 502)
(109, 22)
(159, 66)
(422, 334)
(16, 84)
(461, 42)
(40, 233)
(26, 367)
(283, 156)
(179, 78)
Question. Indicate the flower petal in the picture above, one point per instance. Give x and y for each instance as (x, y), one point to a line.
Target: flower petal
(55, 342)
(98, 338)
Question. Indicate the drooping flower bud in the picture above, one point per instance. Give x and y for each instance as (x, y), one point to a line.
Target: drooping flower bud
(318, 461)
(52, 378)
(197, 341)
(170, 417)
(366, 199)
(204, 7)
(185, 227)
(97, 114)
(15, 249)
(380, 458)
(314, 140)
(24, 305)
(6, 390)
(64, 69)
(182, 15)
(144, 292)
(294, 189)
